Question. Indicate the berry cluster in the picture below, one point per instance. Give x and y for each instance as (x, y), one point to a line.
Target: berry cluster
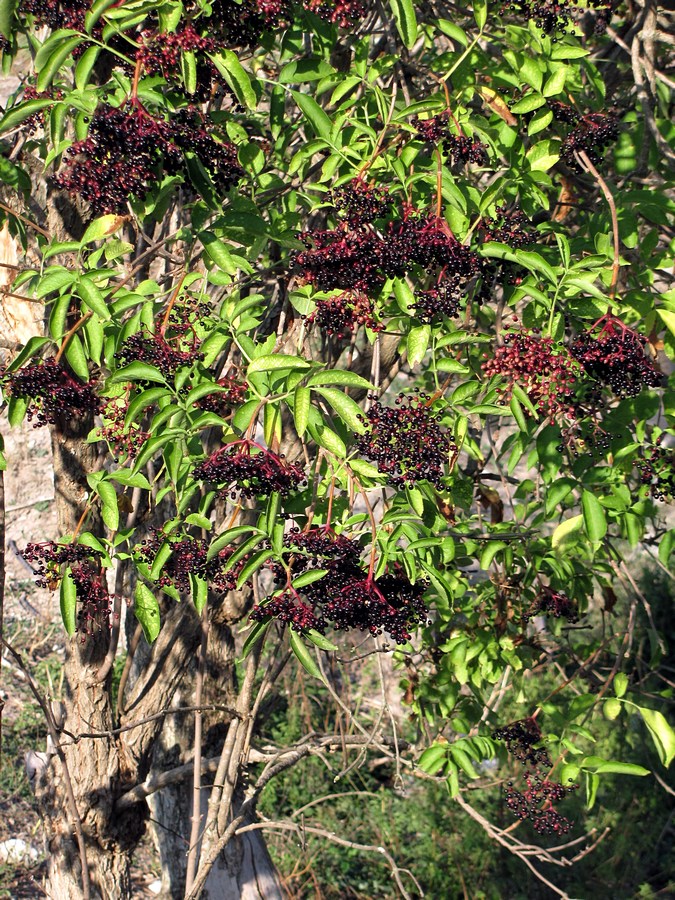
(125, 440)
(442, 300)
(241, 24)
(222, 402)
(464, 150)
(592, 134)
(48, 557)
(546, 372)
(343, 13)
(53, 392)
(521, 739)
(432, 130)
(154, 350)
(37, 120)
(536, 804)
(57, 13)
(189, 557)
(556, 17)
(507, 227)
(554, 603)
(657, 471)
(361, 203)
(127, 150)
(161, 54)
(341, 260)
(406, 441)
(245, 468)
(616, 358)
(340, 314)
(345, 597)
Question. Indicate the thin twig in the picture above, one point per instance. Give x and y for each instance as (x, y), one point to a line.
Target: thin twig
(70, 794)
(584, 159)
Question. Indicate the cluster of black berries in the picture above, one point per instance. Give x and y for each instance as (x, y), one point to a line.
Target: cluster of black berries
(124, 440)
(154, 350)
(223, 402)
(186, 315)
(406, 441)
(47, 558)
(189, 556)
(464, 150)
(127, 150)
(546, 372)
(340, 314)
(246, 469)
(57, 13)
(536, 804)
(161, 54)
(592, 134)
(345, 597)
(556, 17)
(443, 300)
(341, 260)
(432, 130)
(344, 13)
(657, 471)
(507, 227)
(53, 392)
(361, 203)
(554, 603)
(428, 242)
(616, 358)
(522, 738)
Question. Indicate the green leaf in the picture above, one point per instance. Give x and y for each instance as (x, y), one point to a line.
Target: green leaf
(556, 82)
(611, 709)
(109, 509)
(137, 371)
(252, 566)
(620, 684)
(230, 68)
(18, 114)
(7, 8)
(417, 343)
(314, 114)
(331, 441)
(303, 656)
(662, 734)
(566, 532)
(606, 767)
(346, 408)
(308, 578)
(256, 634)
(188, 68)
(199, 590)
(301, 404)
(218, 253)
(433, 759)
(595, 522)
(102, 227)
(68, 602)
(77, 358)
(146, 610)
(55, 61)
(529, 102)
(309, 69)
(320, 641)
(406, 23)
(338, 376)
(92, 296)
(16, 410)
(273, 362)
(480, 13)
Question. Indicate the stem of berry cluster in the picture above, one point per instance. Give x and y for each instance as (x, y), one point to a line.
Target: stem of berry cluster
(171, 304)
(68, 335)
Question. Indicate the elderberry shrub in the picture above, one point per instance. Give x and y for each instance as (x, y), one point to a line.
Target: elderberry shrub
(555, 603)
(341, 260)
(52, 392)
(189, 556)
(616, 358)
(443, 300)
(405, 442)
(154, 350)
(361, 203)
(246, 469)
(545, 371)
(521, 738)
(592, 134)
